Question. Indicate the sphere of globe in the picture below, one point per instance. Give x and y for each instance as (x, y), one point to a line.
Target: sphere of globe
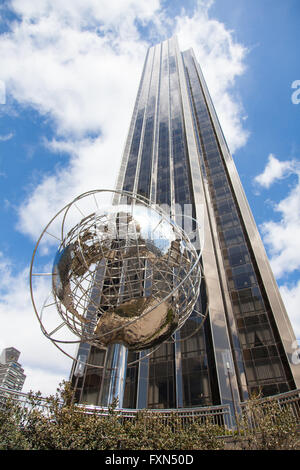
(126, 275)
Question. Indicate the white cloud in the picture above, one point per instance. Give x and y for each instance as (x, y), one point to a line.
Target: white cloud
(282, 237)
(80, 14)
(275, 170)
(84, 83)
(69, 75)
(44, 381)
(5, 137)
(2, 92)
(85, 171)
(291, 298)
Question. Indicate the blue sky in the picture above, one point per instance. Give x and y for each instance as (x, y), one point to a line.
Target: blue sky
(67, 109)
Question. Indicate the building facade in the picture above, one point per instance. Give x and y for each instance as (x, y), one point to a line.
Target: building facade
(176, 155)
(11, 372)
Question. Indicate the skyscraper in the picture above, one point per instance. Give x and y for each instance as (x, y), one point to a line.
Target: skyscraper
(176, 155)
(11, 372)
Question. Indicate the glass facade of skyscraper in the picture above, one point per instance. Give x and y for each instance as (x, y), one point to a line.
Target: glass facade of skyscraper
(176, 156)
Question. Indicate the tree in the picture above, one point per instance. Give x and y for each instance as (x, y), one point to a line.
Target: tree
(267, 424)
(56, 423)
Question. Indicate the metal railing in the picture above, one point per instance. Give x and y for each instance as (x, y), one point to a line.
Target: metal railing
(286, 401)
(219, 415)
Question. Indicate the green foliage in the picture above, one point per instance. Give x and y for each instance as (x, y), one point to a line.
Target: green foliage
(151, 431)
(268, 425)
(12, 421)
(59, 424)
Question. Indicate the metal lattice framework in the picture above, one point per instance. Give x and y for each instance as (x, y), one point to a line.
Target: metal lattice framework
(123, 273)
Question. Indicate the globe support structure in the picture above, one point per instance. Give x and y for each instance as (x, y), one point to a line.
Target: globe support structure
(123, 274)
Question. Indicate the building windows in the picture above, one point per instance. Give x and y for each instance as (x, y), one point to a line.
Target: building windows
(161, 388)
(130, 389)
(11, 373)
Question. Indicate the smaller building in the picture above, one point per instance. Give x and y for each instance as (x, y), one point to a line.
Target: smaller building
(11, 372)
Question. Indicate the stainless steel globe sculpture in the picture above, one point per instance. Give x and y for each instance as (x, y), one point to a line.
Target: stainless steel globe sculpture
(123, 274)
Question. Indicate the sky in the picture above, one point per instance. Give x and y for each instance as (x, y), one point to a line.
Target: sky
(69, 74)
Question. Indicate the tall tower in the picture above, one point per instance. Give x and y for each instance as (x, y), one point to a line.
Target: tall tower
(11, 372)
(176, 155)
